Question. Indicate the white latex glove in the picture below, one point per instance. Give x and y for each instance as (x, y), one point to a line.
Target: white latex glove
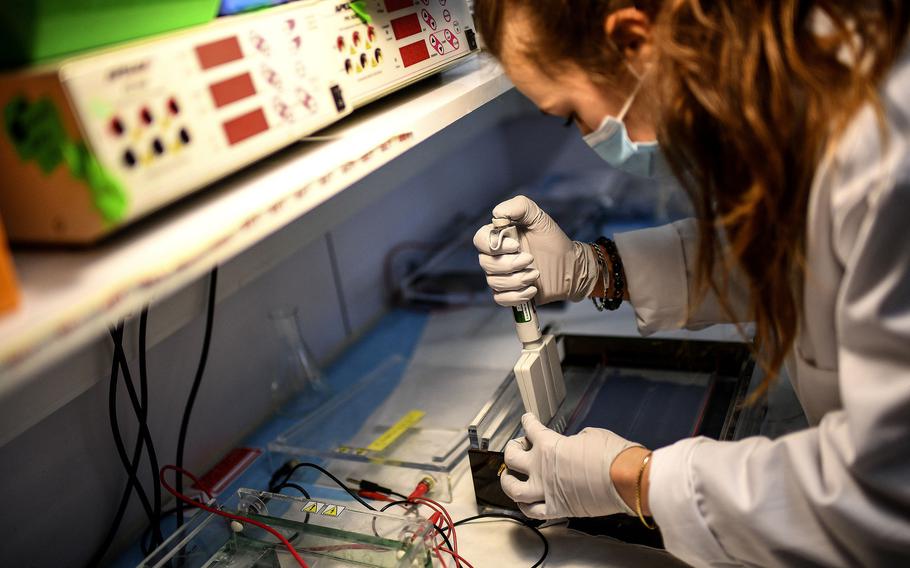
(549, 268)
(567, 476)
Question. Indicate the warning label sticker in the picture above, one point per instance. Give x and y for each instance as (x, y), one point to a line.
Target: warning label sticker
(333, 511)
(313, 507)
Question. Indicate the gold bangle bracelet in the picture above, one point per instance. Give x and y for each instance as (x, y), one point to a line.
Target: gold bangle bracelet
(641, 473)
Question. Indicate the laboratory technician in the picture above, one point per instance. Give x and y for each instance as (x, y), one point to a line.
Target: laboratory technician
(788, 122)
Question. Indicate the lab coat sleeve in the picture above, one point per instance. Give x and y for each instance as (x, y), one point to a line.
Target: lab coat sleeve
(660, 265)
(836, 494)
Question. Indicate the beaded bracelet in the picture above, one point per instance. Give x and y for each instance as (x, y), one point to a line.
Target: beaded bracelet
(615, 275)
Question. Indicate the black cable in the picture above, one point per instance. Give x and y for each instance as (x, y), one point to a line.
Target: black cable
(292, 486)
(153, 455)
(535, 530)
(194, 390)
(140, 409)
(328, 474)
(131, 466)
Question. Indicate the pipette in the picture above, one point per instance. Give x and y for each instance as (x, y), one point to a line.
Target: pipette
(538, 371)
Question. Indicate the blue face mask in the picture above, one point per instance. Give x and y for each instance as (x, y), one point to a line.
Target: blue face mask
(612, 143)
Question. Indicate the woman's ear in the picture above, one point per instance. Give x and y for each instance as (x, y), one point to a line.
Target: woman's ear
(630, 31)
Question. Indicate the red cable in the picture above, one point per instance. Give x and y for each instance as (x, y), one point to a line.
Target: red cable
(437, 507)
(220, 513)
(374, 495)
(455, 555)
(439, 556)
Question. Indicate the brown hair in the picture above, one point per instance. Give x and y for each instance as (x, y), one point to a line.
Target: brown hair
(751, 96)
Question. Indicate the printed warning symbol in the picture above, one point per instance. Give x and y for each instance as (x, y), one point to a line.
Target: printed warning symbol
(333, 511)
(312, 507)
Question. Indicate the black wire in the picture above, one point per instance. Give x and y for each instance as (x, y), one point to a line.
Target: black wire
(131, 466)
(328, 474)
(535, 530)
(140, 409)
(194, 390)
(292, 486)
(153, 455)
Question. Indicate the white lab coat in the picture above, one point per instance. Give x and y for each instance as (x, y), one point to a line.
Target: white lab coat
(837, 493)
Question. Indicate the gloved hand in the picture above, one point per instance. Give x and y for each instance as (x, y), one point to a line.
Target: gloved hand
(550, 267)
(567, 476)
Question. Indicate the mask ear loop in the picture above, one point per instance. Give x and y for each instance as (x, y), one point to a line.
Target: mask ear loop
(628, 104)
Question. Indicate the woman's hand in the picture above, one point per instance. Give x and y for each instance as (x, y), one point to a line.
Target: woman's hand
(567, 476)
(549, 266)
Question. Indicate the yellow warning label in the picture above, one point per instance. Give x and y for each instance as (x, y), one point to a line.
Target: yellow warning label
(397, 429)
(312, 507)
(333, 511)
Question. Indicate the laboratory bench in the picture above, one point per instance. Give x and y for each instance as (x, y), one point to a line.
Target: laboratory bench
(441, 337)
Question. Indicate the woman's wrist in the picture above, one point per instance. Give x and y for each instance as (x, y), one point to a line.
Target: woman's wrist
(599, 291)
(624, 472)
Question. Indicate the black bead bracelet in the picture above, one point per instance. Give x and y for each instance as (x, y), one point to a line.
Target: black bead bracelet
(615, 275)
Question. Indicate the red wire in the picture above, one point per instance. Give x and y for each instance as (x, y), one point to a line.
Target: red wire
(439, 508)
(220, 513)
(454, 555)
(439, 556)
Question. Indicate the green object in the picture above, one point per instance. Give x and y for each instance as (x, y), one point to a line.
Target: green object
(35, 130)
(34, 30)
(522, 313)
(360, 8)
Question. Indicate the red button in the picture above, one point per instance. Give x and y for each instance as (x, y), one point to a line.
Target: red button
(117, 126)
(146, 116)
(173, 106)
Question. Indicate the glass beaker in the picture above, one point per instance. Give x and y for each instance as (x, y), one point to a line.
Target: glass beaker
(299, 373)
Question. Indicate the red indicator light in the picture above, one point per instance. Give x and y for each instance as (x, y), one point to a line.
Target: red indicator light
(414, 53)
(232, 90)
(406, 26)
(393, 5)
(173, 107)
(356, 38)
(340, 43)
(219, 52)
(245, 126)
(146, 116)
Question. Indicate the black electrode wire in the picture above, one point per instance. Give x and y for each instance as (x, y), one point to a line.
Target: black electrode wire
(131, 466)
(144, 388)
(299, 488)
(535, 530)
(141, 410)
(194, 390)
(328, 474)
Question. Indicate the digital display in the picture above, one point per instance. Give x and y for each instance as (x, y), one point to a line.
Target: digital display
(219, 52)
(393, 5)
(245, 126)
(406, 26)
(414, 53)
(232, 90)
